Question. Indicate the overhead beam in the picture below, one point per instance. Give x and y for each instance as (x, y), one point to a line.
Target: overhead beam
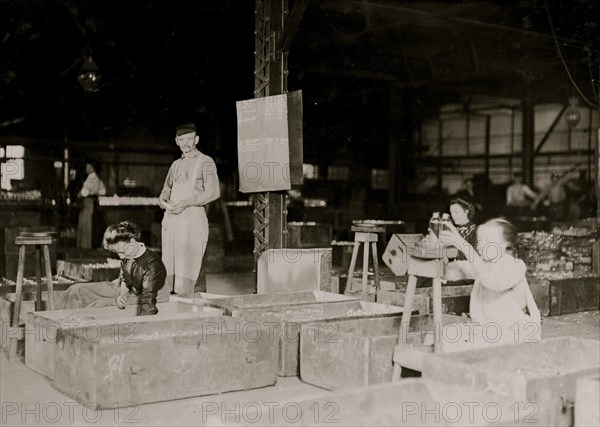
(108, 146)
(292, 24)
(472, 22)
(360, 73)
(550, 129)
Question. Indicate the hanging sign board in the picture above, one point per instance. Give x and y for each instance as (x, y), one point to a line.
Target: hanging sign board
(270, 142)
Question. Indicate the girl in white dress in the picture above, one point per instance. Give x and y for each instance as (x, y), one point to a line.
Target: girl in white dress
(501, 302)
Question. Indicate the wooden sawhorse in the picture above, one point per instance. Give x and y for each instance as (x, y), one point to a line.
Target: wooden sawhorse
(41, 241)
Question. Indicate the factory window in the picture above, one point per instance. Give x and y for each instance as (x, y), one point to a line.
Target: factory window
(310, 171)
(338, 173)
(13, 168)
(380, 179)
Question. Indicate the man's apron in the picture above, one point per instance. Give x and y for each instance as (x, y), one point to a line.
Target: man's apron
(184, 236)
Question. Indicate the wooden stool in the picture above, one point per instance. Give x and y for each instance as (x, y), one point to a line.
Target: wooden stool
(41, 241)
(364, 234)
(426, 261)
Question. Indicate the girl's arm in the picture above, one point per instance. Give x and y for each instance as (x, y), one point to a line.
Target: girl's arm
(500, 274)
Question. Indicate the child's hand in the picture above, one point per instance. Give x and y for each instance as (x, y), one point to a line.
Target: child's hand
(431, 237)
(122, 301)
(451, 236)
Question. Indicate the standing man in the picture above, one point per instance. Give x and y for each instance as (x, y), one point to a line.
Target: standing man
(556, 194)
(191, 183)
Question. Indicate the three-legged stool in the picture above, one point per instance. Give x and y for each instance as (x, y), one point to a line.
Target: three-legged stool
(365, 234)
(41, 241)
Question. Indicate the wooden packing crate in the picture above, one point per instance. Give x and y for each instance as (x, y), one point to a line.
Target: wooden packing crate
(164, 360)
(557, 297)
(7, 305)
(545, 372)
(309, 235)
(358, 353)
(455, 299)
(76, 270)
(42, 327)
(289, 319)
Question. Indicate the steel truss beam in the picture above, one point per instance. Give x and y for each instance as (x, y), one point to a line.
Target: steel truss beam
(270, 78)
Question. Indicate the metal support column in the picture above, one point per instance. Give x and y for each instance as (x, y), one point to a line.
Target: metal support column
(527, 147)
(488, 120)
(270, 78)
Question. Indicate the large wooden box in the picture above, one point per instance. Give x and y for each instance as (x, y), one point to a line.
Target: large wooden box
(289, 319)
(42, 327)
(564, 296)
(233, 304)
(358, 353)
(545, 373)
(164, 360)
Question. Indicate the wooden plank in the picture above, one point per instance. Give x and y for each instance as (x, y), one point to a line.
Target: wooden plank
(191, 357)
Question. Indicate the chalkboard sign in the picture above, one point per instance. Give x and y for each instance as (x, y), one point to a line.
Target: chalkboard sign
(270, 142)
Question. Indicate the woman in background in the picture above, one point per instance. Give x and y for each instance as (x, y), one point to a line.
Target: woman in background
(462, 212)
(88, 195)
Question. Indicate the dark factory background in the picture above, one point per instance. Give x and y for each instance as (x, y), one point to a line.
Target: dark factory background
(402, 101)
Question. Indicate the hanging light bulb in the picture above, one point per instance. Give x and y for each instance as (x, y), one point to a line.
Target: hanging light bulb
(89, 75)
(572, 115)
